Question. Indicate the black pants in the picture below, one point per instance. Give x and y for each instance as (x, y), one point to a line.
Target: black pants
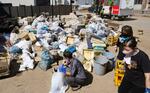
(74, 82)
(128, 87)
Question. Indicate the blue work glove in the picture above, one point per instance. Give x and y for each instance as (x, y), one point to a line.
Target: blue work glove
(62, 68)
(147, 90)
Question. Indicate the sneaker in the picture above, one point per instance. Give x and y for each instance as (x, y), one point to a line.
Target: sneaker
(30, 68)
(65, 88)
(76, 88)
(22, 69)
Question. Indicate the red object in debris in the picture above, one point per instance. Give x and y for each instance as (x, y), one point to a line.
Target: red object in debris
(115, 10)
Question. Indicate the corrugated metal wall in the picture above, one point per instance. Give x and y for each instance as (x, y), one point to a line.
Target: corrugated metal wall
(23, 11)
(19, 2)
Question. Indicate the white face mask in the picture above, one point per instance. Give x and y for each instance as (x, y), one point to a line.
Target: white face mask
(128, 53)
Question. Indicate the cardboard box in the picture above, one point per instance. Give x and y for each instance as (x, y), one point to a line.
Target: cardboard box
(70, 40)
(88, 65)
(23, 34)
(88, 54)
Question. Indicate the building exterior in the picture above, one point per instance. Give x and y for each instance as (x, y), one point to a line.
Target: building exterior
(76, 2)
(60, 2)
(139, 4)
(142, 5)
(54, 2)
(84, 2)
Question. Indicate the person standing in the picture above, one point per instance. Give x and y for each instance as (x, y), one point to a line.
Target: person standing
(137, 69)
(126, 33)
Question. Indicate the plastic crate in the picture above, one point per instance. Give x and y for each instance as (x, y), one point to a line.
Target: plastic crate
(119, 64)
(112, 40)
(119, 72)
(118, 79)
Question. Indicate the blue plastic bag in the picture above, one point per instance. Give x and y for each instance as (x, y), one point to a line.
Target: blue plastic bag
(15, 50)
(71, 49)
(46, 60)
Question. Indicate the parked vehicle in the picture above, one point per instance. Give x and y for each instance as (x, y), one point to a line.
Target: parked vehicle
(118, 8)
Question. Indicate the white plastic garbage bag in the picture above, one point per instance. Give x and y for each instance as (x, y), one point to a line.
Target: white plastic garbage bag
(27, 28)
(13, 38)
(92, 27)
(63, 47)
(58, 83)
(28, 61)
(23, 21)
(44, 43)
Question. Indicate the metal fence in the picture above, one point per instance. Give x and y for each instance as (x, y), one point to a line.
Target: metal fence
(24, 11)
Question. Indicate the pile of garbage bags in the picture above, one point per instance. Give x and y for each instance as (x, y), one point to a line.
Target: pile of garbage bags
(69, 32)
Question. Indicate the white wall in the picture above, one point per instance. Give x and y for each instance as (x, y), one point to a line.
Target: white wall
(17, 2)
(77, 2)
(137, 6)
(84, 2)
(62, 2)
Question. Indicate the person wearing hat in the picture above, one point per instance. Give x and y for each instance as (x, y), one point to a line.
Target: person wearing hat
(75, 74)
(126, 33)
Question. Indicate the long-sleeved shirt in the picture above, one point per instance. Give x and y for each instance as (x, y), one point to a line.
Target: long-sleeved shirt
(77, 69)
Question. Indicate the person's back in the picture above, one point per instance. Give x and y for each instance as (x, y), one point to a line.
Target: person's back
(77, 69)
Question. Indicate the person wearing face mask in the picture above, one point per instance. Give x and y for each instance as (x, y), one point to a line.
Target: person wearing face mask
(126, 33)
(137, 69)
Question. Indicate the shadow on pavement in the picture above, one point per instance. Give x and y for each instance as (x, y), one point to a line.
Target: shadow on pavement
(13, 69)
(126, 19)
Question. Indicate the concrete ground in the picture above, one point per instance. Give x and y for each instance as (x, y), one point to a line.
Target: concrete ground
(38, 81)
